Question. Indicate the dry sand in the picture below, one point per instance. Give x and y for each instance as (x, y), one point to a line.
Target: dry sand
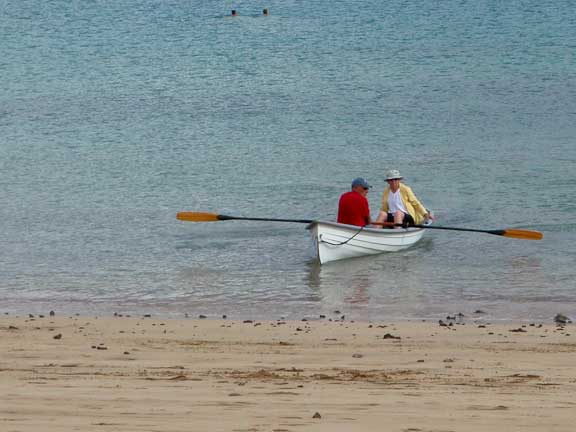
(146, 374)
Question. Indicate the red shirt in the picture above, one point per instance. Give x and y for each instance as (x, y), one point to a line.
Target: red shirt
(353, 209)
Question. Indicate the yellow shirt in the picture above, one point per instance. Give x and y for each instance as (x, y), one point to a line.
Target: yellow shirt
(414, 207)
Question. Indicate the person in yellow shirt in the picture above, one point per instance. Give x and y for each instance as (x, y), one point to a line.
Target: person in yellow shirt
(400, 205)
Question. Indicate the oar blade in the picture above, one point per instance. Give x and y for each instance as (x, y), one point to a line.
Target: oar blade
(197, 217)
(522, 234)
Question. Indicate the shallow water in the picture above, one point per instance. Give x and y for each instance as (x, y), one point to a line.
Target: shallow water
(116, 115)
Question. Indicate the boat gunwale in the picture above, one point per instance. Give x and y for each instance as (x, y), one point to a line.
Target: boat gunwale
(354, 228)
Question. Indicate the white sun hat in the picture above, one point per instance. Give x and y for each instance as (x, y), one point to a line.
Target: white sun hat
(393, 174)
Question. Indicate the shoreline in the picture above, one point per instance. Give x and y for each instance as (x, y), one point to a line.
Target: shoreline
(62, 373)
(478, 317)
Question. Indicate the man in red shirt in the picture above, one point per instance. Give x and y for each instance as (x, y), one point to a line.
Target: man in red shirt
(353, 207)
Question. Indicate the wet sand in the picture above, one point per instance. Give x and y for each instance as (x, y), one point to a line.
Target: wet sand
(72, 373)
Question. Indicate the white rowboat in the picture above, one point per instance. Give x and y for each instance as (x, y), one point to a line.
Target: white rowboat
(334, 241)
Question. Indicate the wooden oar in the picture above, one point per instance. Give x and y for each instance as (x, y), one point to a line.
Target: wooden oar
(213, 217)
(511, 232)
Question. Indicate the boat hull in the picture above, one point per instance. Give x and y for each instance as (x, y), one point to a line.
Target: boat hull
(334, 241)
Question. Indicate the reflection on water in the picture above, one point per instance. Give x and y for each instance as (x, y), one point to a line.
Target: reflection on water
(343, 283)
(360, 293)
(313, 274)
(371, 282)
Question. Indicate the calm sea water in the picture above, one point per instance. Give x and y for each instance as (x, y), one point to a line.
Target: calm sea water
(114, 115)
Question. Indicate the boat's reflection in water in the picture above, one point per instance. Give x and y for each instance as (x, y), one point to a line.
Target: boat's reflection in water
(370, 284)
(346, 281)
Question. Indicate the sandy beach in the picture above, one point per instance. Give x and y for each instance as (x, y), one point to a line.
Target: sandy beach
(77, 373)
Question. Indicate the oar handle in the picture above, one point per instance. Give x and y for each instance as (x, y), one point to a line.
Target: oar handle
(495, 232)
(226, 217)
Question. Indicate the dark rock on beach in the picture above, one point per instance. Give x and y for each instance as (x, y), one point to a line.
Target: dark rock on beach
(561, 319)
(390, 336)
